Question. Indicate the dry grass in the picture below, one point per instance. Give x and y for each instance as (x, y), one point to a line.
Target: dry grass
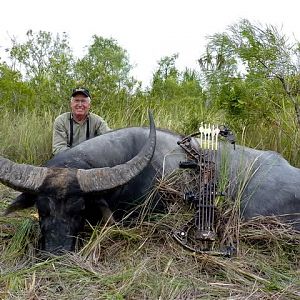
(144, 261)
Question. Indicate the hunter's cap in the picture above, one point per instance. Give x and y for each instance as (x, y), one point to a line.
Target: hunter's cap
(81, 91)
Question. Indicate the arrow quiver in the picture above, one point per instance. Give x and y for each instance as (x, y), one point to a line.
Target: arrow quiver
(199, 234)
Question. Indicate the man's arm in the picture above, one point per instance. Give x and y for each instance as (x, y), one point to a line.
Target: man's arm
(60, 136)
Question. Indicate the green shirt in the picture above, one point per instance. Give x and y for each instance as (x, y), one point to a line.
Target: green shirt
(61, 131)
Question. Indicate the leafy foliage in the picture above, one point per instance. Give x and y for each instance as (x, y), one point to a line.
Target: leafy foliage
(105, 70)
(252, 70)
(14, 94)
(47, 65)
(169, 83)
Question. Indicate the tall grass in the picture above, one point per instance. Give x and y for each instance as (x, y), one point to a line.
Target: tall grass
(27, 136)
(182, 115)
(279, 133)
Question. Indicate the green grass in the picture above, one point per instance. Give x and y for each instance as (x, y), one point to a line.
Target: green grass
(26, 137)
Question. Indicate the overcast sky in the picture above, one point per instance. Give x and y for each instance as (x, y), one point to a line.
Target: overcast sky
(147, 29)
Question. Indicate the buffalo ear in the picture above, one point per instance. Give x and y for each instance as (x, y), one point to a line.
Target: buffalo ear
(23, 201)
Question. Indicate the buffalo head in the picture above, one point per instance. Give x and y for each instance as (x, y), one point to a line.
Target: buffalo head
(60, 194)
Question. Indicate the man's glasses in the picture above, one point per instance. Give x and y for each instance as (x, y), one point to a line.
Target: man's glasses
(82, 101)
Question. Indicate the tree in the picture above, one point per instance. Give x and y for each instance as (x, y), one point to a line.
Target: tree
(169, 83)
(190, 84)
(46, 63)
(105, 69)
(217, 66)
(260, 56)
(269, 53)
(14, 93)
(165, 82)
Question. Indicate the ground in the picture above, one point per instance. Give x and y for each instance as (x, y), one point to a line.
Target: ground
(145, 262)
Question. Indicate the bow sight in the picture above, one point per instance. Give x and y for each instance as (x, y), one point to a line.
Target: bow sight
(200, 234)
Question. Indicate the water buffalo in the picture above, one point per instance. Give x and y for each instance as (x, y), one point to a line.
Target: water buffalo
(107, 175)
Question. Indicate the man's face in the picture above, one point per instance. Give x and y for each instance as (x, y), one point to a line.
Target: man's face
(80, 105)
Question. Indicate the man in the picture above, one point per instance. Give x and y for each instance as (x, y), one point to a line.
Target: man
(72, 128)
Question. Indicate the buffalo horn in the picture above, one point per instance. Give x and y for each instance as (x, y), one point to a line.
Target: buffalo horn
(21, 177)
(100, 179)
